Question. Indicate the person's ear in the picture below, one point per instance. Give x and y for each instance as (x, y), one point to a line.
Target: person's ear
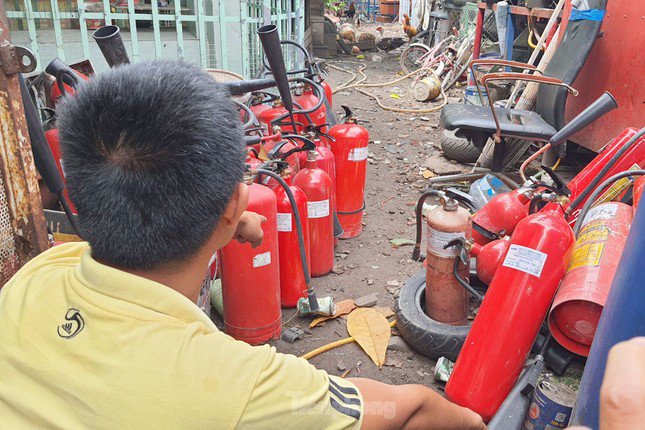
(236, 206)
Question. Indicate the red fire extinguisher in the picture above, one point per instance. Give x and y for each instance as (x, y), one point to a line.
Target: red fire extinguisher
(317, 186)
(489, 257)
(278, 145)
(511, 313)
(307, 101)
(53, 139)
(328, 91)
(501, 213)
(639, 187)
(350, 148)
(251, 276)
(292, 279)
(581, 297)
(268, 116)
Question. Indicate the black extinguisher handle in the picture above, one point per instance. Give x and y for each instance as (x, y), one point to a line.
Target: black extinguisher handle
(307, 145)
(68, 77)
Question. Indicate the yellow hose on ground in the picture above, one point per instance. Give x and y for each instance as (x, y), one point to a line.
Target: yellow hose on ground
(332, 345)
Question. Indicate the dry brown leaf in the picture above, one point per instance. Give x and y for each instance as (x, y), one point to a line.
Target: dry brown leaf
(342, 308)
(385, 311)
(371, 331)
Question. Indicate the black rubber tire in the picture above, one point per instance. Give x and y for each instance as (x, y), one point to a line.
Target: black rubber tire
(459, 149)
(425, 335)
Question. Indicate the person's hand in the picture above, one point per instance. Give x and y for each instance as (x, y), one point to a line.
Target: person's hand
(622, 394)
(249, 229)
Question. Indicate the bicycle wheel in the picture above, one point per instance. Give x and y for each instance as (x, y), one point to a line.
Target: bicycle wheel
(411, 57)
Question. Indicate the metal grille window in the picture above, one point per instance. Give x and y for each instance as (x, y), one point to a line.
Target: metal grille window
(212, 33)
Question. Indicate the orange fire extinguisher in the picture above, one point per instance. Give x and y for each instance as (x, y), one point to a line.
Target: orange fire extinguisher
(350, 148)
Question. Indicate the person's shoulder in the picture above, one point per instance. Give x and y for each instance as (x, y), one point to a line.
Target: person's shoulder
(65, 255)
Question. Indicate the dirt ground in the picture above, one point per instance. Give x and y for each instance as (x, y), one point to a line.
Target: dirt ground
(401, 146)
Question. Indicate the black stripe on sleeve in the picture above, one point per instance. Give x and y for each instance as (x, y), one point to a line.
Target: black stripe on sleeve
(346, 400)
(356, 414)
(346, 390)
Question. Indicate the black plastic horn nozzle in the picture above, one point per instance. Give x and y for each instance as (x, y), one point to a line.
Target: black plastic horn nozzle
(270, 40)
(109, 40)
(237, 88)
(603, 104)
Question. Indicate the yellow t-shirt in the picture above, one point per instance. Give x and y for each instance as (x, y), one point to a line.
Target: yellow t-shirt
(83, 345)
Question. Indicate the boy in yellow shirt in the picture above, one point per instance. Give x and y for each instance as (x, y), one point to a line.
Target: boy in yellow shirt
(106, 334)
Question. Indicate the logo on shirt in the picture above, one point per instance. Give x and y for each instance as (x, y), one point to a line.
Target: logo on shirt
(74, 325)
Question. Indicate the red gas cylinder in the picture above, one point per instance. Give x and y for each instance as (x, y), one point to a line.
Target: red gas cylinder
(267, 116)
(56, 92)
(292, 278)
(633, 158)
(489, 257)
(285, 146)
(328, 91)
(501, 213)
(252, 160)
(251, 277)
(350, 150)
(446, 299)
(306, 101)
(326, 161)
(317, 186)
(510, 316)
(639, 187)
(581, 297)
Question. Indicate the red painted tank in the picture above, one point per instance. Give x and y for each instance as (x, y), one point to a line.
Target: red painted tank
(317, 186)
(489, 257)
(292, 278)
(639, 187)
(350, 150)
(502, 212)
(306, 101)
(328, 91)
(582, 294)
(56, 92)
(510, 316)
(267, 116)
(293, 160)
(635, 156)
(251, 277)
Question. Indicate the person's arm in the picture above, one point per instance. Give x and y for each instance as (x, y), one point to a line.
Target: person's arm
(622, 396)
(411, 407)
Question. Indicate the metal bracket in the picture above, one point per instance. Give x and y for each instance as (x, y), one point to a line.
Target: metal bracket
(16, 59)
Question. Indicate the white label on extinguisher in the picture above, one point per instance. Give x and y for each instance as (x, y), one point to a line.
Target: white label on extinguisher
(318, 209)
(284, 222)
(263, 259)
(438, 239)
(525, 260)
(604, 211)
(358, 154)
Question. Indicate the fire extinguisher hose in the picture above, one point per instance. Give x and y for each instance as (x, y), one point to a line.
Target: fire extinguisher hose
(601, 188)
(313, 301)
(416, 254)
(578, 200)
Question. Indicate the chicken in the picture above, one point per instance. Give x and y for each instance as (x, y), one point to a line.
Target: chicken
(351, 11)
(407, 28)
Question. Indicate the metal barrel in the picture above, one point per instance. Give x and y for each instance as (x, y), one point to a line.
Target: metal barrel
(109, 40)
(622, 319)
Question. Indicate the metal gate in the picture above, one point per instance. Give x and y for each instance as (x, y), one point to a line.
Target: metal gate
(212, 33)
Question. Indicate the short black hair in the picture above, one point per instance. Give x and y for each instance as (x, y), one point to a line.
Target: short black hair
(152, 153)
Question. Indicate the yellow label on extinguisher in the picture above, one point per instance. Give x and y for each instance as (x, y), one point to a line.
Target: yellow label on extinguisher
(590, 245)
